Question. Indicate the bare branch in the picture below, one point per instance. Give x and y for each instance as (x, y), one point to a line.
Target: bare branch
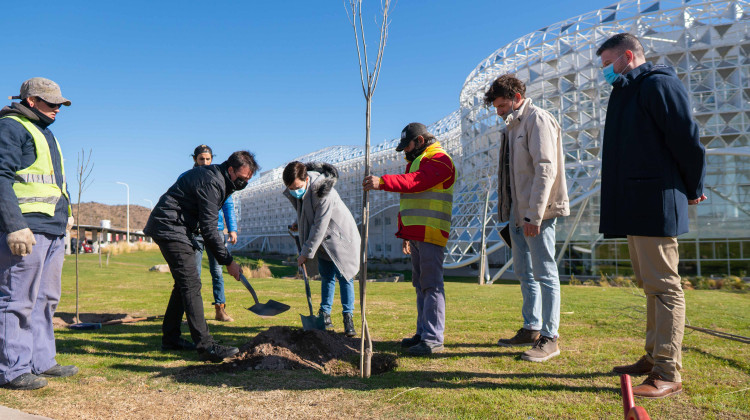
(353, 21)
(381, 45)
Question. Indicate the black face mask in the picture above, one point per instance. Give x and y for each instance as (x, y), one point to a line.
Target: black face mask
(239, 184)
(414, 154)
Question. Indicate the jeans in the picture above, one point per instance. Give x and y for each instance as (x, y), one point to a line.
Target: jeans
(427, 279)
(29, 293)
(536, 269)
(217, 276)
(186, 296)
(328, 275)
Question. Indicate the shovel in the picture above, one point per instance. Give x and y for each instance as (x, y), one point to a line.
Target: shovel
(270, 308)
(309, 322)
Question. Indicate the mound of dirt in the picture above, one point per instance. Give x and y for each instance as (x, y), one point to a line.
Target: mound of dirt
(285, 348)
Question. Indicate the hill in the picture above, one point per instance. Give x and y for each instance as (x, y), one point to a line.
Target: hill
(93, 213)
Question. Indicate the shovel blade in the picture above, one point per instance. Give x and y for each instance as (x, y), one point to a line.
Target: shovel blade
(85, 326)
(312, 322)
(270, 308)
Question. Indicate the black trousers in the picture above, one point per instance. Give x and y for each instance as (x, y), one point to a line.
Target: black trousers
(186, 296)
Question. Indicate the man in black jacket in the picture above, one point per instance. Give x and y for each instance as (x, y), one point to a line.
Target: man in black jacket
(653, 166)
(191, 206)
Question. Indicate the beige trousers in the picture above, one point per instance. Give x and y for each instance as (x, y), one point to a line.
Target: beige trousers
(655, 262)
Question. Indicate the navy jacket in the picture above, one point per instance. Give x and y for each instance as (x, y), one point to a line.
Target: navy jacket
(652, 158)
(191, 206)
(17, 152)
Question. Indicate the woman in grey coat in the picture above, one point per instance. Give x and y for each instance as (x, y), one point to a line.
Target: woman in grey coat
(327, 230)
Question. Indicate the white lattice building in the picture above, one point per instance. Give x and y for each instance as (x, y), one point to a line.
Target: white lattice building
(708, 44)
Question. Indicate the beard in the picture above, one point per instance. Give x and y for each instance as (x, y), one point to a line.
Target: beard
(414, 154)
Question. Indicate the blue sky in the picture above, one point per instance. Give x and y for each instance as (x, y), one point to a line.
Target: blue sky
(151, 80)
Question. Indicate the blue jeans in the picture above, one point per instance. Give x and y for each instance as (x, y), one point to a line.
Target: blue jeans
(328, 275)
(217, 276)
(536, 269)
(29, 293)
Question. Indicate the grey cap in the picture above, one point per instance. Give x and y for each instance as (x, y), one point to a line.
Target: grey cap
(43, 88)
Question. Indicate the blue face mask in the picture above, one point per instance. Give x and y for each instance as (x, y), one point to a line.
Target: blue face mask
(609, 72)
(298, 193)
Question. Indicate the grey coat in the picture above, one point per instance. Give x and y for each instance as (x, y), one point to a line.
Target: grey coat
(324, 220)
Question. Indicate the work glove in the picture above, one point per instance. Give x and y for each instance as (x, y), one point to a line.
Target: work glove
(21, 241)
(71, 222)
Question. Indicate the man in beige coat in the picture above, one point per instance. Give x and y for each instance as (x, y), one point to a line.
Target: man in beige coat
(532, 193)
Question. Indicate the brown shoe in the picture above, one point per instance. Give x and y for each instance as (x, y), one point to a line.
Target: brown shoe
(523, 337)
(641, 367)
(656, 387)
(221, 314)
(544, 349)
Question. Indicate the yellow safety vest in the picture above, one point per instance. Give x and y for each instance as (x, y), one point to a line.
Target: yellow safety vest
(430, 208)
(36, 186)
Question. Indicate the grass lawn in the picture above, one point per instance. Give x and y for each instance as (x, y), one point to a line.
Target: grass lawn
(125, 376)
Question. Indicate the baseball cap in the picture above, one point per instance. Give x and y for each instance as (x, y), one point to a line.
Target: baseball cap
(409, 133)
(43, 88)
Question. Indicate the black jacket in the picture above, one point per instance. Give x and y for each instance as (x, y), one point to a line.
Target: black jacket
(17, 152)
(191, 206)
(652, 158)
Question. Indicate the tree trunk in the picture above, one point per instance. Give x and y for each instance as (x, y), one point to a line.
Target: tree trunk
(366, 342)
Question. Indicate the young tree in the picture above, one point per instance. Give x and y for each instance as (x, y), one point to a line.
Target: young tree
(369, 77)
(84, 166)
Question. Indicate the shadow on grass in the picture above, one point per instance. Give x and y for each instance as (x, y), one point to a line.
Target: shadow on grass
(305, 380)
(731, 362)
(135, 348)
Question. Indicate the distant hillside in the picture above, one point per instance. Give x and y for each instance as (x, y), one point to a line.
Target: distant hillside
(93, 213)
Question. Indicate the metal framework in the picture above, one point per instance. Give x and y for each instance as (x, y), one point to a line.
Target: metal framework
(707, 43)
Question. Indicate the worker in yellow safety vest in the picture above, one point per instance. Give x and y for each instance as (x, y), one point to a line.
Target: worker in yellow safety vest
(424, 224)
(34, 215)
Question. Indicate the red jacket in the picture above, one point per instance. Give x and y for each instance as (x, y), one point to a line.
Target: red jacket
(433, 170)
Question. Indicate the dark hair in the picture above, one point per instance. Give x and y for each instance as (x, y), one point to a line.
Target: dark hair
(294, 170)
(243, 158)
(505, 86)
(202, 149)
(622, 42)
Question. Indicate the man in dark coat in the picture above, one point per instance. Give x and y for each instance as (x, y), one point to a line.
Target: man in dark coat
(653, 166)
(191, 206)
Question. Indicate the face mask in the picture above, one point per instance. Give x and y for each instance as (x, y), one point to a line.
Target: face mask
(239, 184)
(298, 193)
(609, 72)
(414, 154)
(511, 110)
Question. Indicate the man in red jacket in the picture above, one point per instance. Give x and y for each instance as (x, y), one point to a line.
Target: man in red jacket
(424, 223)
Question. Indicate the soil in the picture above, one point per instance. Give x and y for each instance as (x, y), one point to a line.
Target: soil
(286, 348)
(63, 319)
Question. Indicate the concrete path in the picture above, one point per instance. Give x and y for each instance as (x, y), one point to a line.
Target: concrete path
(11, 414)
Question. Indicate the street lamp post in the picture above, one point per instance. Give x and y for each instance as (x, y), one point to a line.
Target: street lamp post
(127, 235)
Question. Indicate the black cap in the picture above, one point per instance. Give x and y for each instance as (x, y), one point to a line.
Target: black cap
(409, 133)
(202, 149)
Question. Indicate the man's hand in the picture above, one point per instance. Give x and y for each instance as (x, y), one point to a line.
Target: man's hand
(71, 222)
(697, 200)
(21, 241)
(371, 182)
(301, 260)
(232, 238)
(406, 247)
(234, 270)
(531, 230)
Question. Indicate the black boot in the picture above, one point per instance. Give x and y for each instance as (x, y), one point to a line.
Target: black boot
(326, 317)
(349, 325)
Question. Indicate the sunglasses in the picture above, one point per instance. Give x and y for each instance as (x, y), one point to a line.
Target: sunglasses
(51, 105)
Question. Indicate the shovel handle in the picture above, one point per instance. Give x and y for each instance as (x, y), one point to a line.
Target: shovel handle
(249, 287)
(304, 273)
(307, 289)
